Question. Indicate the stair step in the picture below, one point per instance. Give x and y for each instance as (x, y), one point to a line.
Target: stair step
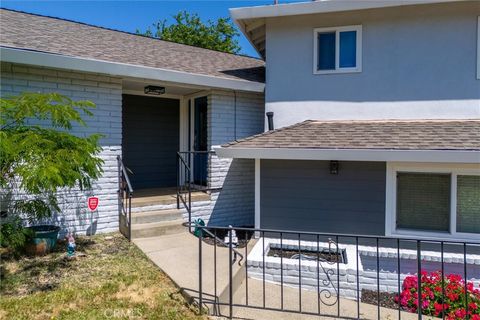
(146, 201)
(145, 230)
(156, 216)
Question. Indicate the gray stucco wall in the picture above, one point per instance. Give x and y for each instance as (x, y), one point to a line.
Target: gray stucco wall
(304, 196)
(418, 62)
(151, 140)
(106, 93)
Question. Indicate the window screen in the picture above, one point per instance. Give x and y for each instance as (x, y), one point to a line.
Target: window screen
(468, 204)
(326, 51)
(348, 49)
(423, 201)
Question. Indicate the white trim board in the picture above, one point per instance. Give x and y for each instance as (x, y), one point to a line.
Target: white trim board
(257, 193)
(350, 154)
(478, 48)
(43, 59)
(291, 9)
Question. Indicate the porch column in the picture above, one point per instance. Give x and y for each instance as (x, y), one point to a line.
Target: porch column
(257, 194)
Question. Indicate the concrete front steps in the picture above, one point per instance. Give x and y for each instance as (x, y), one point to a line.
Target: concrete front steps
(155, 213)
(156, 223)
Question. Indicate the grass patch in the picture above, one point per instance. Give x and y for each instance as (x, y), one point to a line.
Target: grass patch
(110, 279)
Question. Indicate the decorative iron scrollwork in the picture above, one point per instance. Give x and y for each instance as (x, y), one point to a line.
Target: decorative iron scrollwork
(330, 290)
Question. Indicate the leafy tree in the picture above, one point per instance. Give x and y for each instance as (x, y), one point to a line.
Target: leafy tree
(189, 29)
(40, 156)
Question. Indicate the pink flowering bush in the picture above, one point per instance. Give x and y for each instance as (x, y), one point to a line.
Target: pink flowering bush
(431, 289)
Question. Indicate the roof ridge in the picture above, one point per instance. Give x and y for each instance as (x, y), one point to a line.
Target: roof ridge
(390, 120)
(125, 32)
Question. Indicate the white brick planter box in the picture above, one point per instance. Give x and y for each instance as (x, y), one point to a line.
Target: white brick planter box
(328, 276)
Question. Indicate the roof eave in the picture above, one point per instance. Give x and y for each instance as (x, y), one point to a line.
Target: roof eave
(240, 15)
(448, 156)
(320, 6)
(242, 26)
(45, 59)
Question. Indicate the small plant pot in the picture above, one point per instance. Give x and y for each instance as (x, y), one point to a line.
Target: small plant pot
(44, 239)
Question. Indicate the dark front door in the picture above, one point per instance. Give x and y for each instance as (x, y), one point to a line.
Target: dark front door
(200, 160)
(150, 140)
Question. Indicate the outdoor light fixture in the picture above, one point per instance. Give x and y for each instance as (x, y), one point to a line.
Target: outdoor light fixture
(334, 167)
(154, 90)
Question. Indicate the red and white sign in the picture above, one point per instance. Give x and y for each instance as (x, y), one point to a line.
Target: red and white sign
(92, 203)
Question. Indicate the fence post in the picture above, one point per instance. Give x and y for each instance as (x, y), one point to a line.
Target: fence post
(200, 294)
(230, 277)
(178, 181)
(419, 279)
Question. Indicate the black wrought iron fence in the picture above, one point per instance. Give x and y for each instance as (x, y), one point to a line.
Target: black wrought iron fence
(340, 275)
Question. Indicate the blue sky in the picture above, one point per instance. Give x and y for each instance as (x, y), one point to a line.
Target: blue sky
(132, 15)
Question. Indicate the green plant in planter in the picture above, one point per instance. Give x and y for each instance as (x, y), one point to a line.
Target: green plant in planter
(40, 156)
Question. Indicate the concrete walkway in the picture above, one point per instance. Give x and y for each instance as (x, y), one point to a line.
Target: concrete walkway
(177, 255)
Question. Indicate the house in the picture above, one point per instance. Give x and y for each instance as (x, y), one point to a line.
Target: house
(357, 138)
(373, 123)
(376, 106)
(210, 98)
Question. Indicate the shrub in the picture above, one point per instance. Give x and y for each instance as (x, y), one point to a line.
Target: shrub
(453, 304)
(40, 156)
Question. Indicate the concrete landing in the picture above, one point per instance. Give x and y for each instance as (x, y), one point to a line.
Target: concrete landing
(162, 196)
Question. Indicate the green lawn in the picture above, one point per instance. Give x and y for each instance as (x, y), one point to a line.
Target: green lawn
(112, 280)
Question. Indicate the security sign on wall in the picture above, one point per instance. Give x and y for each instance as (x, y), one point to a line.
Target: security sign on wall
(92, 203)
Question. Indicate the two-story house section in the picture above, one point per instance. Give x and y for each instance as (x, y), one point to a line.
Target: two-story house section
(376, 106)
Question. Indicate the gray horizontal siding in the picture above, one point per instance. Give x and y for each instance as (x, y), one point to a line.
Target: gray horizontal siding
(304, 196)
(151, 140)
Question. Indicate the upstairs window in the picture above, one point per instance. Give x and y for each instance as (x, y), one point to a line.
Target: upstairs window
(337, 50)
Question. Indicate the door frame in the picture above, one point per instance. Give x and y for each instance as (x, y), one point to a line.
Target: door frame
(187, 124)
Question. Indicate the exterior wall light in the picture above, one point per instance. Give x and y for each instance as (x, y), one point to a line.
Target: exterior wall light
(334, 167)
(155, 90)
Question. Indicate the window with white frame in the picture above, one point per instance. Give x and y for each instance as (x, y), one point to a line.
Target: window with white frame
(337, 50)
(433, 201)
(478, 48)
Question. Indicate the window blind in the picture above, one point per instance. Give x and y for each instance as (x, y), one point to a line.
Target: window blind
(423, 201)
(468, 204)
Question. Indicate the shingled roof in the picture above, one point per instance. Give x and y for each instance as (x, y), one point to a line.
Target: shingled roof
(52, 35)
(461, 135)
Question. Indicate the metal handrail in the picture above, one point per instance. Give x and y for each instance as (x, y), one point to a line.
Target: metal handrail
(346, 235)
(125, 175)
(204, 229)
(183, 160)
(184, 179)
(180, 184)
(124, 185)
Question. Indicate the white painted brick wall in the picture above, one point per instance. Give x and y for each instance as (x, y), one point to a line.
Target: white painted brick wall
(232, 116)
(106, 93)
